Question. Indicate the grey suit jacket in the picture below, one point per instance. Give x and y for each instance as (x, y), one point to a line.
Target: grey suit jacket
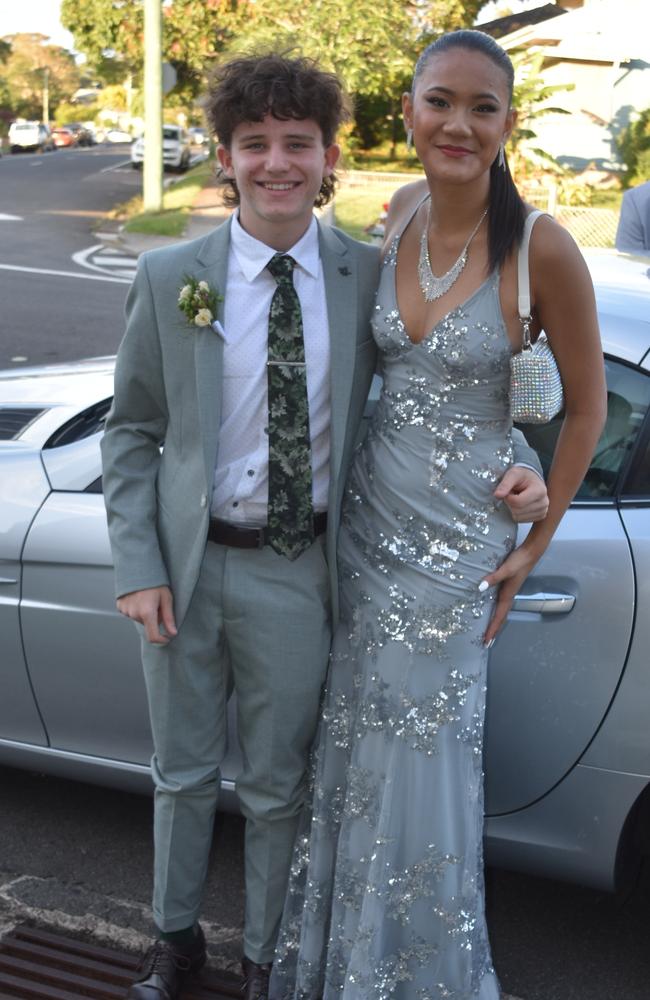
(633, 233)
(168, 382)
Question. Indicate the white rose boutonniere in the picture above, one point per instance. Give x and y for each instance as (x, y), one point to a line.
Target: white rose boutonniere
(198, 302)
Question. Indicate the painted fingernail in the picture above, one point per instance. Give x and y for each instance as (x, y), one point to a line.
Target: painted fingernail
(483, 586)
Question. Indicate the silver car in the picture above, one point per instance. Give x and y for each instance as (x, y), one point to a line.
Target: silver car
(568, 733)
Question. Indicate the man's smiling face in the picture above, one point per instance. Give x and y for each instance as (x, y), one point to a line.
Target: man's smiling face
(278, 167)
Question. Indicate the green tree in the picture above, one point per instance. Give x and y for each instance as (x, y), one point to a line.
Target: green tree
(633, 145)
(5, 97)
(111, 35)
(369, 45)
(108, 32)
(532, 99)
(29, 66)
(438, 16)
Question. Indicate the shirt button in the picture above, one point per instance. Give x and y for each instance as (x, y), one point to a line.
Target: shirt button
(204, 500)
(251, 472)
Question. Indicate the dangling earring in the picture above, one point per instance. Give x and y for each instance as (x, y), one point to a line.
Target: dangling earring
(502, 155)
(409, 139)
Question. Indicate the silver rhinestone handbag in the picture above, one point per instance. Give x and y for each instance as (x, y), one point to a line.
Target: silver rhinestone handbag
(536, 393)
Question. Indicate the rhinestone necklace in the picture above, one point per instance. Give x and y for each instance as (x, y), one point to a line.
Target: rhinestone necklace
(433, 287)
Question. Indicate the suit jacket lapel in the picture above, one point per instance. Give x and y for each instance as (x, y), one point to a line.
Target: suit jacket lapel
(212, 266)
(339, 271)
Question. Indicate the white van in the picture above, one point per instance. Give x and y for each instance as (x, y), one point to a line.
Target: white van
(25, 135)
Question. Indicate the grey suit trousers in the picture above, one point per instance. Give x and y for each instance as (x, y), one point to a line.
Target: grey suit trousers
(262, 623)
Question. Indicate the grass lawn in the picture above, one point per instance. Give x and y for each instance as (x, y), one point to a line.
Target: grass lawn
(177, 202)
(358, 207)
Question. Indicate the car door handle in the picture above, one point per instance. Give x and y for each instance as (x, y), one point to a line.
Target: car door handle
(544, 604)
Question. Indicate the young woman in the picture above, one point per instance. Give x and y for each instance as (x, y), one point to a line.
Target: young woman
(387, 894)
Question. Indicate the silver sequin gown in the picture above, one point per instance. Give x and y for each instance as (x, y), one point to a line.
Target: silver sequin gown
(386, 900)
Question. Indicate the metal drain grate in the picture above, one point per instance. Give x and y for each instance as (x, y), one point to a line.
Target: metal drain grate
(38, 965)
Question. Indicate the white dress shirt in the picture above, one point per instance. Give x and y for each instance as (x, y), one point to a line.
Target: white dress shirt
(240, 493)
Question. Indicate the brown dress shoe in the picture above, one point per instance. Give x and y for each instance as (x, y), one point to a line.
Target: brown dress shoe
(256, 979)
(164, 969)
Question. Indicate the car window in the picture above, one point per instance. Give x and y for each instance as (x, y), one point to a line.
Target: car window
(628, 400)
(171, 133)
(81, 426)
(97, 486)
(14, 420)
(637, 481)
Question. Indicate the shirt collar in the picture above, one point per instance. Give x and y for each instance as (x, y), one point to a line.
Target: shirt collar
(253, 255)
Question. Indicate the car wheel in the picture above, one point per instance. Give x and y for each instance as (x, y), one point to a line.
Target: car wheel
(136, 166)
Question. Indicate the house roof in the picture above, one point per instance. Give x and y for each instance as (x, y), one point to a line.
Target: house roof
(601, 31)
(501, 26)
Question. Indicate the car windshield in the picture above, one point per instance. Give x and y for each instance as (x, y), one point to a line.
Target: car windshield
(170, 133)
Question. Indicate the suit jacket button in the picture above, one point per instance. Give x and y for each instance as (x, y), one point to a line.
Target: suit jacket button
(204, 500)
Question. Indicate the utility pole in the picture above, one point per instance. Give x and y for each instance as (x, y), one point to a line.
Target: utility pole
(46, 95)
(152, 171)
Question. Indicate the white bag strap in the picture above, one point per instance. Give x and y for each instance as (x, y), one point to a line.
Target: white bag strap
(523, 276)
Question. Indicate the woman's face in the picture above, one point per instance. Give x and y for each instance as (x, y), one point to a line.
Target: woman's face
(459, 114)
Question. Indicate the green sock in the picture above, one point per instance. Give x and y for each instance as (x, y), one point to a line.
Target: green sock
(184, 940)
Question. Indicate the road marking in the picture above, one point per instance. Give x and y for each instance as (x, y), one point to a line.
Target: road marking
(106, 261)
(63, 274)
(115, 261)
(10, 218)
(115, 166)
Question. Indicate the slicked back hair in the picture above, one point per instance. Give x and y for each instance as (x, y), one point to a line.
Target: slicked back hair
(249, 88)
(507, 211)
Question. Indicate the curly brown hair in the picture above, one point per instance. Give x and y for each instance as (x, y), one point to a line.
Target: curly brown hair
(248, 88)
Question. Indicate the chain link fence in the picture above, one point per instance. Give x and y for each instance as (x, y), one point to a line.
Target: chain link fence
(590, 227)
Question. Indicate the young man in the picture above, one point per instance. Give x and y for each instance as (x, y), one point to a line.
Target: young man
(225, 541)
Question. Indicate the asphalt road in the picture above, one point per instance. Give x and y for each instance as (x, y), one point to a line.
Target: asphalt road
(79, 857)
(53, 308)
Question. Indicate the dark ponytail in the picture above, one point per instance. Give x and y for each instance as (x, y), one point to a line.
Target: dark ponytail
(507, 211)
(506, 215)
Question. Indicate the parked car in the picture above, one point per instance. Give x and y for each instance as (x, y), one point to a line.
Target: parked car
(568, 739)
(117, 135)
(176, 149)
(30, 136)
(63, 137)
(198, 136)
(83, 136)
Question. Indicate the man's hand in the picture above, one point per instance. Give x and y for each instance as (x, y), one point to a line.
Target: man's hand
(525, 494)
(153, 608)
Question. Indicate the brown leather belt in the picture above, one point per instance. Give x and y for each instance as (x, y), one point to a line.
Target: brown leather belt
(223, 533)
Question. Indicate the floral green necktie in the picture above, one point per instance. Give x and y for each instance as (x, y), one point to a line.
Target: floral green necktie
(290, 508)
